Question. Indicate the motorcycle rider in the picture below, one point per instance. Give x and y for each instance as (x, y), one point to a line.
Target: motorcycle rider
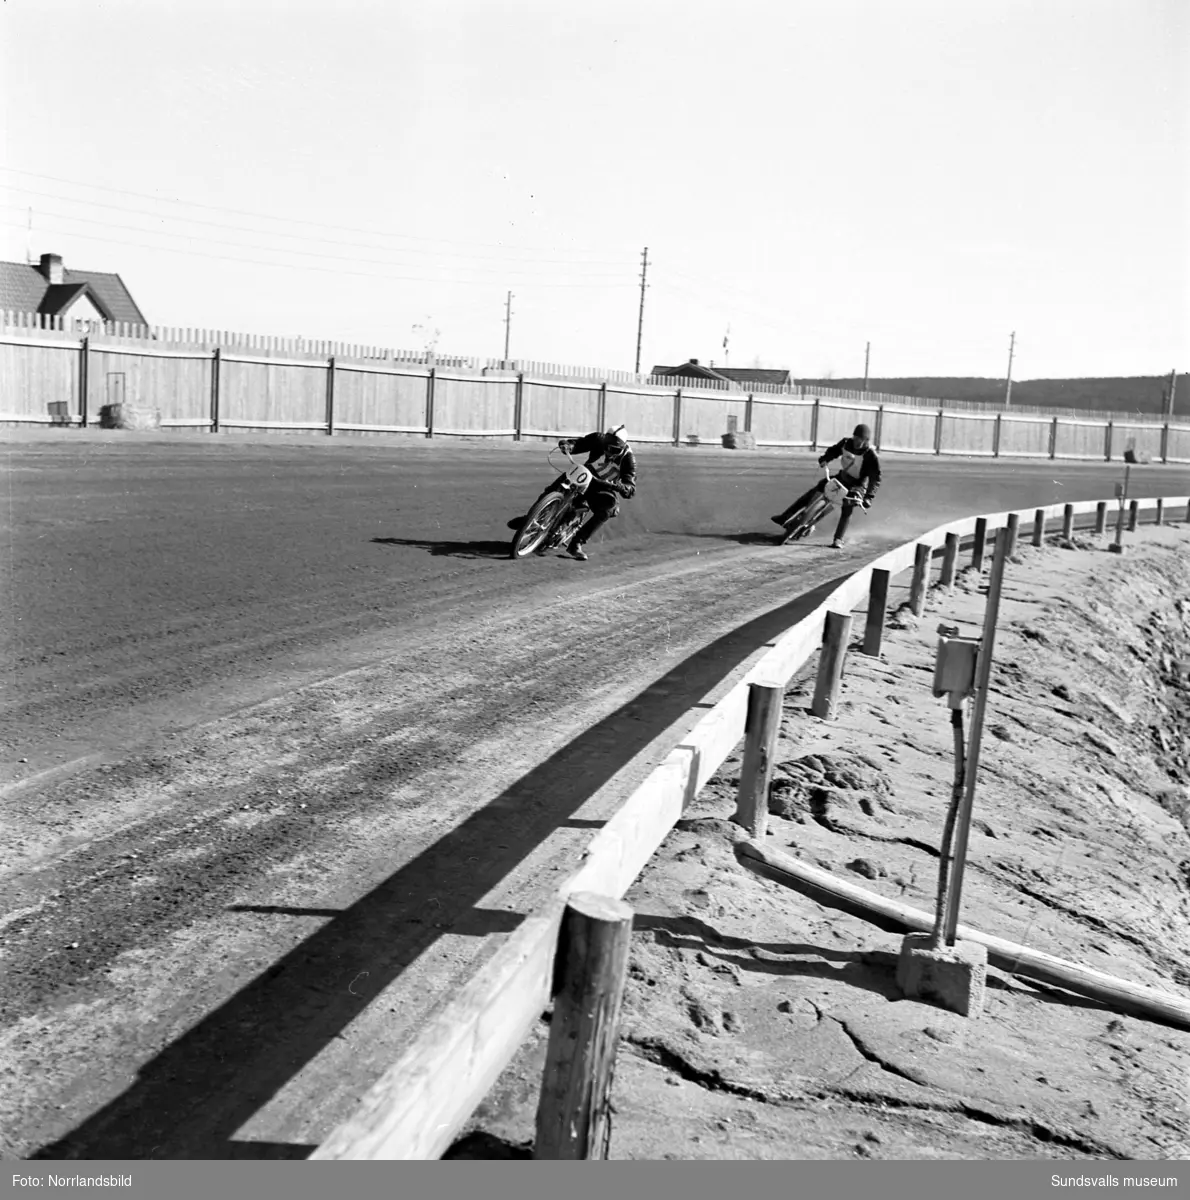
(611, 461)
(859, 468)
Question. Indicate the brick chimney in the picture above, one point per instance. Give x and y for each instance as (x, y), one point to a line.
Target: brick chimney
(693, 361)
(51, 268)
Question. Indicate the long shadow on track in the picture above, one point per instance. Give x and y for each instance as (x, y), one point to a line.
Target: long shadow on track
(189, 1101)
(450, 549)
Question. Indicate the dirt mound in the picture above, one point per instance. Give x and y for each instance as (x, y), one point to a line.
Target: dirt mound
(835, 790)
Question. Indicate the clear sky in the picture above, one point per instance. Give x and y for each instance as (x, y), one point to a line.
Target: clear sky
(928, 176)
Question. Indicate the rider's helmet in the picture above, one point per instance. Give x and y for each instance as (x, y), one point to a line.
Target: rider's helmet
(861, 438)
(616, 443)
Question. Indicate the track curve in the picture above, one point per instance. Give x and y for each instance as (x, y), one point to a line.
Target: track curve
(301, 742)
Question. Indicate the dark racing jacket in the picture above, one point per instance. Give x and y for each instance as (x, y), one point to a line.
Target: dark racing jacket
(855, 470)
(606, 470)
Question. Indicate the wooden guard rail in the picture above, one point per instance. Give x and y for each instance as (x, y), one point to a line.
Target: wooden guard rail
(417, 1107)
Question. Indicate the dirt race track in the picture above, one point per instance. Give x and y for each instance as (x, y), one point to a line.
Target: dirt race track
(288, 742)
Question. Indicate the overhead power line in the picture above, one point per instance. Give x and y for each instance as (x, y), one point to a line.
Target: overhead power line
(283, 219)
(501, 273)
(335, 270)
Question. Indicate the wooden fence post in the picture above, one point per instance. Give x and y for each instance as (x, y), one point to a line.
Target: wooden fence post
(761, 728)
(1165, 442)
(330, 396)
(678, 417)
(216, 371)
(1160, 511)
(1107, 441)
(1054, 438)
(938, 433)
(921, 578)
(950, 558)
(877, 608)
(835, 635)
(814, 425)
(996, 436)
(602, 412)
(518, 407)
(981, 542)
(1014, 522)
(1068, 521)
(1133, 515)
(1039, 527)
(1101, 516)
(430, 378)
(748, 413)
(573, 1113)
(878, 432)
(84, 379)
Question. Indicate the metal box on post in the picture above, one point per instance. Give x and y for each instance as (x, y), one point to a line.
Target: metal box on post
(954, 667)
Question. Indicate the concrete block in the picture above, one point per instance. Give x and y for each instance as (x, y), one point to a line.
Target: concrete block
(954, 977)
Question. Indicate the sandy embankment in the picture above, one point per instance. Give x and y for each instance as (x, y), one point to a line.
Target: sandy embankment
(759, 1024)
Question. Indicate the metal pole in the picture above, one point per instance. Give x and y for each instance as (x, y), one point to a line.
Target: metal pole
(507, 325)
(640, 321)
(983, 679)
(867, 352)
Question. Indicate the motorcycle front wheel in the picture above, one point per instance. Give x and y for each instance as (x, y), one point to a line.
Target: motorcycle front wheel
(541, 519)
(811, 515)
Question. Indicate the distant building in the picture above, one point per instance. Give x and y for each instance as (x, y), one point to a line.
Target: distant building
(51, 290)
(724, 376)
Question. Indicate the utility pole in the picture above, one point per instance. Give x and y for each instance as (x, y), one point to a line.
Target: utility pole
(867, 352)
(1008, 385)
(507, 325)
(640, 322)
(1173, 383)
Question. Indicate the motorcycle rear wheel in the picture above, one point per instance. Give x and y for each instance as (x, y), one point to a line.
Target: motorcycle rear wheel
(547, 510)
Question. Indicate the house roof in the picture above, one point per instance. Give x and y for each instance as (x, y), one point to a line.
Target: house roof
(23, 288)
(60, 296)
(696, 370)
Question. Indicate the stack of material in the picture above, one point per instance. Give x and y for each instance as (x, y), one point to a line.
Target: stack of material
(129, 416)
(739, 441)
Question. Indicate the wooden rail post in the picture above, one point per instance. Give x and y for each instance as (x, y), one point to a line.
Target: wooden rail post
(678, 417)
(877, 608)
(518, 407)
(430, 380)
(1054, 439)
(1014, 524)
(835, 635)
(1068, 521)
(814, 425)
(573, 1114)
(216, 371)
(981, 542)
(996, 436)
(1039, 527)
(921, 578)
(1160, 511)
(938, 431)
(602, 422)
(84, 379)
(330, 396)
(950, 559)
(1101, 516)
(1133, 515)
(761, 728)
(1107, 437)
